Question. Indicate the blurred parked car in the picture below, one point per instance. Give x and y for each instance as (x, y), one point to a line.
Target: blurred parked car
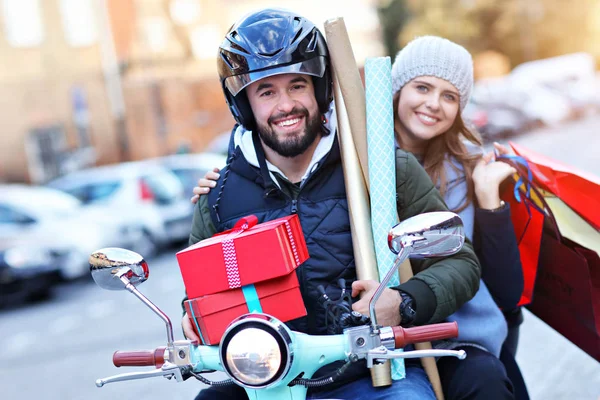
(42, 217)
(190, 167)
(27, 271)
(219, 144)
(144, 191)
(474, 115)
(496, 121)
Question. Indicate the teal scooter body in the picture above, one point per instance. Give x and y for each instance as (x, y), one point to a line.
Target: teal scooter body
(310, 353)
(266, 370)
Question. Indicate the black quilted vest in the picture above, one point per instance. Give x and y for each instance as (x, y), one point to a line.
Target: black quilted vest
(323, 211)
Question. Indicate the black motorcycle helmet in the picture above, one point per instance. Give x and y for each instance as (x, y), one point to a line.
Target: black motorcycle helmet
(266, 43)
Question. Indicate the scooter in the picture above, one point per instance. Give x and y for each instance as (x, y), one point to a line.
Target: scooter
(259, 353)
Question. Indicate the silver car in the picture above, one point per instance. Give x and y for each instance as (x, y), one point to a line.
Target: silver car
(190, 167)
(40, 217)
(143, 191)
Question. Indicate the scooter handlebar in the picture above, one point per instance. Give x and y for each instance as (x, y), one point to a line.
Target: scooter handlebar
(425, 333)
(140, 358)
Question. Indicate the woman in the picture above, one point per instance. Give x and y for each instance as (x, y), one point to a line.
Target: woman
(432, 80)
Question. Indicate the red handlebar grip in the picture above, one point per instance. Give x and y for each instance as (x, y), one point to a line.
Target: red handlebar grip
(140, 358)
(425, 333)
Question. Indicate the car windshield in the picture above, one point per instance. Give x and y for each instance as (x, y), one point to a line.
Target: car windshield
(43, 202)
(189, 177)
(165, 187)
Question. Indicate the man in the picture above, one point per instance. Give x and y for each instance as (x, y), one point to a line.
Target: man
(275, 72)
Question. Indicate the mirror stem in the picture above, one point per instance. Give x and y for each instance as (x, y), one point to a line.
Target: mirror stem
(402, 255)
(151, 305)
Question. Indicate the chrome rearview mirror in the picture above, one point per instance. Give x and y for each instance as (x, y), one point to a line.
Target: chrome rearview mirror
(434, 234)
(113, 268)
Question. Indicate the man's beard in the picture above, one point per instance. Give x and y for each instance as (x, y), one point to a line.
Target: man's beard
(296, 145)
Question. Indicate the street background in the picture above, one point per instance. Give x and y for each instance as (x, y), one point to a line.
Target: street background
(55, 350)
(112, 109)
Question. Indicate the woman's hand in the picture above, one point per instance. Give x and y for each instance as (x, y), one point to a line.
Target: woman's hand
(487, 177)
(205, 184)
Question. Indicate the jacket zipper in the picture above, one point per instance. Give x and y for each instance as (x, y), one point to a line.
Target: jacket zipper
(294, 206)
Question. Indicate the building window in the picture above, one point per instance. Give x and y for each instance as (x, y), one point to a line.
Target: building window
(205, 41)
(79, 22)
(23, 22)
(155, 32)
(185, 12)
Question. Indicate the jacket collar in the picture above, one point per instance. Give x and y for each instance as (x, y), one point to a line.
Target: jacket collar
(243, 139)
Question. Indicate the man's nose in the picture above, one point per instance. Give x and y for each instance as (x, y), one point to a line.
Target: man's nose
(286, 103)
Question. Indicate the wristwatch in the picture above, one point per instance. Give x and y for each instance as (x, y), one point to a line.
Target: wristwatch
(408, 310)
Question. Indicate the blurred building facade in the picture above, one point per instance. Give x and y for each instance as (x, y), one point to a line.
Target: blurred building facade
(101, 81)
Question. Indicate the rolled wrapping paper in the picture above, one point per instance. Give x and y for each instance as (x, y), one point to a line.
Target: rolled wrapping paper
(352, 91)
(355, 160)
(382, 174)
(344, 65)
(360, 215)
(356, 191)
(382, 169)
(382, 159)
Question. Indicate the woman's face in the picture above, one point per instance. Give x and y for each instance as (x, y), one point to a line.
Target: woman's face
(427, 107)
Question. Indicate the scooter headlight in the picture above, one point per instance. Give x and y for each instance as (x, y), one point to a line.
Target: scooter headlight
(255, 351)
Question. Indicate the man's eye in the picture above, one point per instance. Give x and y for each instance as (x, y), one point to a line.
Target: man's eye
(266, 93)
(297, 87)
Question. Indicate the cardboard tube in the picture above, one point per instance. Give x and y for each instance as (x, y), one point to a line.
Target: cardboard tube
(358, 198)
(428, 363)
(350, 100)
(344, 65)
(350, 89)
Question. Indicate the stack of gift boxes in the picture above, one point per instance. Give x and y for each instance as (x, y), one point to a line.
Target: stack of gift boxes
(250, 268)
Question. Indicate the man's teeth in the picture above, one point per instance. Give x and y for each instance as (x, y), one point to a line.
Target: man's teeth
(288, 122)
(427, 118)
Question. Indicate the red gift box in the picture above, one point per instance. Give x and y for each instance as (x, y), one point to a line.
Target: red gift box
(244, 255)
(210, 315)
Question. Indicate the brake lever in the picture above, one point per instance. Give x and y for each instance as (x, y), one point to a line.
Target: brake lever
(381, 353)
(168, 370)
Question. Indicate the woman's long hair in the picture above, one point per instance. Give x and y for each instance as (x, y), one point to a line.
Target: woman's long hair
(445, 147)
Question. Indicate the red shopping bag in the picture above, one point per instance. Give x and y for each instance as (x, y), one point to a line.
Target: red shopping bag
(567, 292)
(528, 222)
(579, 189)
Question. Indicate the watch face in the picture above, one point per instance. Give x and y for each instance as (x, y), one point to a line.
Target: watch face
(407, 312)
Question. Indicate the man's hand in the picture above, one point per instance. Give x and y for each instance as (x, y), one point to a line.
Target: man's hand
(188, 328)
(387, 307)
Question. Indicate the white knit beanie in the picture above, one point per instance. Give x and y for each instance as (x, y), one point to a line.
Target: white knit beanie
(434, 56)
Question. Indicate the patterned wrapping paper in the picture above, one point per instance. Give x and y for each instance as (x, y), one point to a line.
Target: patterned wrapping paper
(382, 168)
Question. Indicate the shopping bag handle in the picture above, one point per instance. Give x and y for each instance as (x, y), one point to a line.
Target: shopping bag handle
(520, 164)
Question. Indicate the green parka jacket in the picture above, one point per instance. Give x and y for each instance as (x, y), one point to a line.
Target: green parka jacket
(440, 286)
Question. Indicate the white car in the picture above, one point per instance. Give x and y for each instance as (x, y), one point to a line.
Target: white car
(51, 219)
(143, 191)
(190, 167)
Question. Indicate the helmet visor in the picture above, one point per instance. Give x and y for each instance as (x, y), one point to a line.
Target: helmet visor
(314, 67)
